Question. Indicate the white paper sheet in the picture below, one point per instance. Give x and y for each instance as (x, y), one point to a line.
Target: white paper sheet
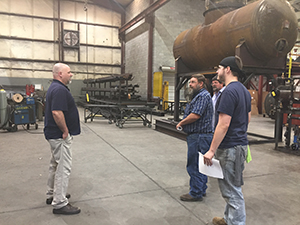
(214, 170)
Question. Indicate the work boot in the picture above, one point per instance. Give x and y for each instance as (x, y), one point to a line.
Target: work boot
(219, 221)
(50, 199)
(189, 198)
(67, 210)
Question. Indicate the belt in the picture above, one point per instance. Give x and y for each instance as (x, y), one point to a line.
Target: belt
(200, 133)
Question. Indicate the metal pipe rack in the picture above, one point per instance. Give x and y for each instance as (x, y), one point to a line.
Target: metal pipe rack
(113, 98)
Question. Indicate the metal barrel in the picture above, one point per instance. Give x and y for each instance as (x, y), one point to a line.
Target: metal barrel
(268, 28)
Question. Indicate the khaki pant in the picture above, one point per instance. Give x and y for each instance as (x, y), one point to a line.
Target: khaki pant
(59, 170)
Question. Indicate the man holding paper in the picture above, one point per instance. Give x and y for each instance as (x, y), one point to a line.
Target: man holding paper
(230, 140)
(197, 123)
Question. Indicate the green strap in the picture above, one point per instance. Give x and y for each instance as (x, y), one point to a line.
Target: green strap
(249, 157)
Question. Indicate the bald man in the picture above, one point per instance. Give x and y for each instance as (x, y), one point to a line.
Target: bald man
(61, 123)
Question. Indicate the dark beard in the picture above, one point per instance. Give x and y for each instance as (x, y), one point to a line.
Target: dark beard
(195, 92)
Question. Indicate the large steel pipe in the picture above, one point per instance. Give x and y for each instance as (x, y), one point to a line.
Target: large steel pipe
(268, 28)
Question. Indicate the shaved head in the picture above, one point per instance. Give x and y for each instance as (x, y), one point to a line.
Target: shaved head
(58, 67)
(62, 73)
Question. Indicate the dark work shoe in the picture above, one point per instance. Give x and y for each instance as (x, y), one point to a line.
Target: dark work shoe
(188, 198)
(67, 210)
(49, 200)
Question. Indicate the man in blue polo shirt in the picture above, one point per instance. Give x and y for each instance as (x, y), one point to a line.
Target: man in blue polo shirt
(61, 123)
(197, 123)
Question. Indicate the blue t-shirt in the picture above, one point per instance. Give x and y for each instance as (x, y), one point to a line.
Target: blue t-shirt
(235, 101)
(59, 98)
(203, 106)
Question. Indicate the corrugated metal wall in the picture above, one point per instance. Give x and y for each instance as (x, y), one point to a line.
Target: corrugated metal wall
(30, 37)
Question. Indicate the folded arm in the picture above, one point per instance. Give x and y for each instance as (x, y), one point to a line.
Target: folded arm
(192, 117)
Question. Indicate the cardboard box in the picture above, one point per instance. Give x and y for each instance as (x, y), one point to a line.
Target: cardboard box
(253, 94)
(254, 109)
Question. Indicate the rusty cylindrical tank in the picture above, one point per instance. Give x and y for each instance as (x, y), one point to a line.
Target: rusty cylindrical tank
(268, 27)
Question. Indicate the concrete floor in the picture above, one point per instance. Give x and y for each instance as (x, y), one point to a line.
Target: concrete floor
(135, 175)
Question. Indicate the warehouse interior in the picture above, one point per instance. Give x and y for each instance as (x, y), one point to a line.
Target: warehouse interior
(132, 60)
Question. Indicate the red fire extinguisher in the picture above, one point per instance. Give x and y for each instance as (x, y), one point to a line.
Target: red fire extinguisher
(29, 89)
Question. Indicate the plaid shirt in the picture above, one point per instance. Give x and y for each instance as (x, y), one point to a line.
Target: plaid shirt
(203, 106)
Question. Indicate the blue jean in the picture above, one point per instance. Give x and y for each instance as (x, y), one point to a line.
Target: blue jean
(197, 143)
(235, 213)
